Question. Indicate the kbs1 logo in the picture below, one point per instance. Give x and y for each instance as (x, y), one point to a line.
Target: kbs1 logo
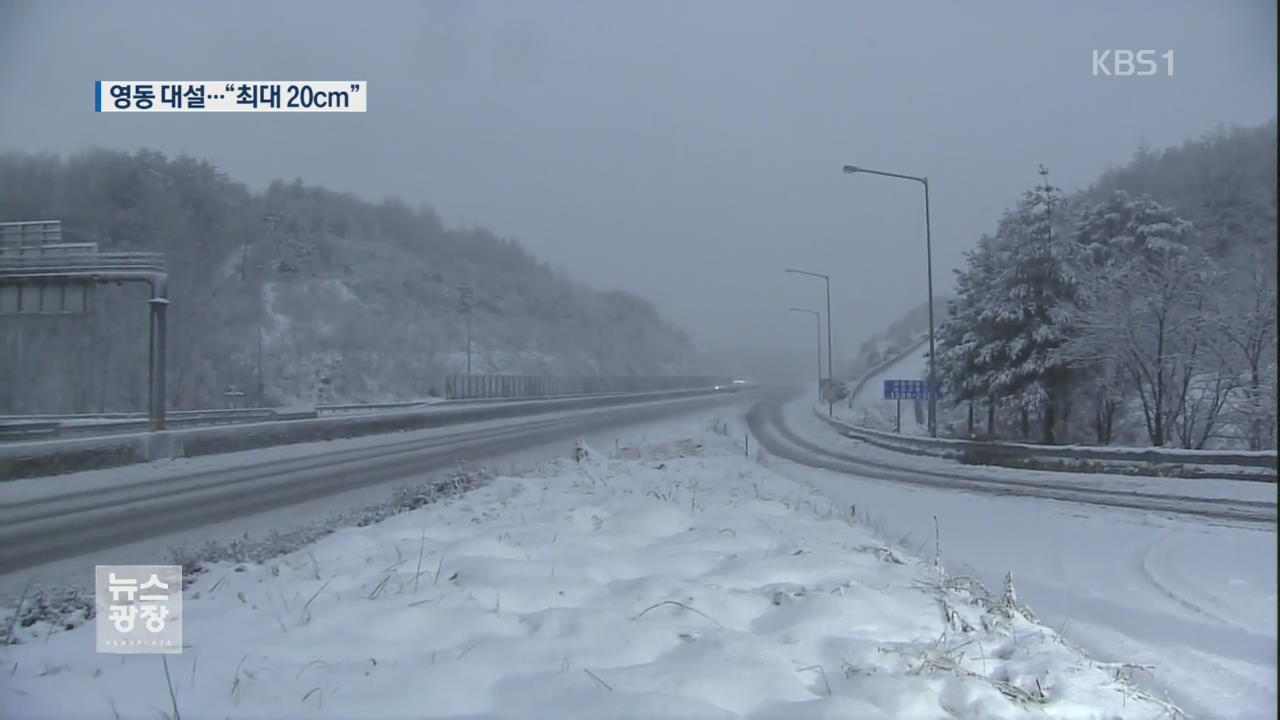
(1123, 63)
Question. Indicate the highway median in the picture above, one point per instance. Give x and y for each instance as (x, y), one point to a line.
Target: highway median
(56, 457)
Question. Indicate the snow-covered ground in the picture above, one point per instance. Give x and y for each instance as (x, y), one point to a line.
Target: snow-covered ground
(673, 579)
(1194, 599)
(870, 409)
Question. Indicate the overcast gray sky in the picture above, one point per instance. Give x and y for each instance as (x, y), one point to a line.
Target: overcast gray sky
(686, 151)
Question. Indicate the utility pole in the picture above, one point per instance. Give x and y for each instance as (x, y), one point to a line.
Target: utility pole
(1045, 187)
(1051, 410)
(271, 219)
(465, 299)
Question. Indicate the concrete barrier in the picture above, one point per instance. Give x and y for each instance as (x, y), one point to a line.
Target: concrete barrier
(67, 426)
(54, 457)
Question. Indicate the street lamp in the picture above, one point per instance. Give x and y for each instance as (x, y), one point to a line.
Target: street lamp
(928, 254)
(830, 368)
(817, 316)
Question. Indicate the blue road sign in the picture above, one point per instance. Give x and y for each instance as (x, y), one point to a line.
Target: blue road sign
(909, 390)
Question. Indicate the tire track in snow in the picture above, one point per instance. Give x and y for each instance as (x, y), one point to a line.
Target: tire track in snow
(1164, 588)
(1225, 676)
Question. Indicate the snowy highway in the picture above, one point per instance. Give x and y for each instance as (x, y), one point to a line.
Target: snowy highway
(48, 519)
(665, 574)
(1175, 576)
(1178, 597)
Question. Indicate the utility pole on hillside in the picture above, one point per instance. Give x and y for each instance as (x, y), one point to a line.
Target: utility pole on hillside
(271, 219)
(1046, 188)
(465, 301)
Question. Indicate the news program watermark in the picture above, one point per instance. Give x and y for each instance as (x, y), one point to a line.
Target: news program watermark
(229, 96)
(139, 608)
(1127, 63)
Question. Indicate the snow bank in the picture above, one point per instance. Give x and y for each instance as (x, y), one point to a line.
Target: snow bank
(676, 579)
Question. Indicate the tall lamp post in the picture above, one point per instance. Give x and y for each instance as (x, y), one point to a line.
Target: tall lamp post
(817, 316)
(928, 254)
(830, 366)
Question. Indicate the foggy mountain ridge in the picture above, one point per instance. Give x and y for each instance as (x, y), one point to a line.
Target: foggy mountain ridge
(358, 301)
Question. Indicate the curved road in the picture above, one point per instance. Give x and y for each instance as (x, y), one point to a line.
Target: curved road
(766, 422)
(1182, 585)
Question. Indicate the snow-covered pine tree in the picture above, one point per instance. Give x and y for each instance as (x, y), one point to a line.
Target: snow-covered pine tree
(1030, 307)
(963, 337)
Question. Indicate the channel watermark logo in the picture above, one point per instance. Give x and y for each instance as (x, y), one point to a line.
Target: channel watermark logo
(1127, 63)
(139, 608)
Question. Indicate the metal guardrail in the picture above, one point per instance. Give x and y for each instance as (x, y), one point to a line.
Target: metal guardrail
(28, 430)
(72, 454)
(68, 417)
(229, 414)
(88, 263)
(359, 407)
(498, 387)
(33, 427)
(954, 447)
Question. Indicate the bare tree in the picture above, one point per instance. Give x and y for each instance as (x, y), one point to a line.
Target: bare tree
(1147, 318)
(1247, 324)
(1105, 386)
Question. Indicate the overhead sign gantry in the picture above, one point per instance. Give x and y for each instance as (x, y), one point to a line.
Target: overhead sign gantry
(41, 275)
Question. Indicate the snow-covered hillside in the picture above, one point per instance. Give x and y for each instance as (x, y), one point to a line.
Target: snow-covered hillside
(332, 297)
(868, 408)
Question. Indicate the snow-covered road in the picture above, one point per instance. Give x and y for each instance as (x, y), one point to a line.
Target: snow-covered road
(53, 530)
(1209, 498)
(676, 578)
(1195, 598)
